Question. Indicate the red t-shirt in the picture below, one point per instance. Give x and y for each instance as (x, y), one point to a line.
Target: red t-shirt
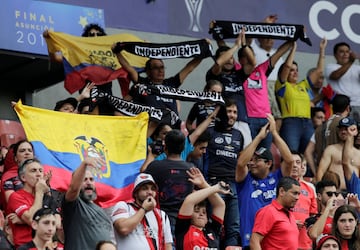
(305, 206)
(20, 202)
(278, 226)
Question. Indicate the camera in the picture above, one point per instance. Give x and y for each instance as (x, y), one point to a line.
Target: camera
(157, 147)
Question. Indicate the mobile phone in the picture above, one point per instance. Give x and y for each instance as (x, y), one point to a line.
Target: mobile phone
(157, 147)
(339, 203)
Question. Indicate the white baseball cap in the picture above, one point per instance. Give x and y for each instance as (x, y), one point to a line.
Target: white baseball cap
(142, 179)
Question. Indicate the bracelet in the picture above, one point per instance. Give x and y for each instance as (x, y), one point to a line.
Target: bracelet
(144, 209)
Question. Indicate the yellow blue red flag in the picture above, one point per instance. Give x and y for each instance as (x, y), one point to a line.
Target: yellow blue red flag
(91, 59)
(62, 140)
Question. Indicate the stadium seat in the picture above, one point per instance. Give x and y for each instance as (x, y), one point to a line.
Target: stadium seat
(10, 132)
(8, 139)
(12, 127)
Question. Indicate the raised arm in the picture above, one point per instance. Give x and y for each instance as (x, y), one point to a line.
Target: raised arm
(189, 67)
(224, 57)
(78, 177)
(206, 191)
(282, 147)
(347, 151)
(280, 52)
(319, 71)
(249, 53)
(336, 74)
(124, 63)
(315, 230)
(246, 155)
(203, 126)
(283, 75)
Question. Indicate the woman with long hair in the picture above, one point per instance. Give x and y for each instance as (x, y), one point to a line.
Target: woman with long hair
(345, 227)
(10, 182)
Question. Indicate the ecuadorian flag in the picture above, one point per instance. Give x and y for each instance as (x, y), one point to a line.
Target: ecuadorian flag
(91, 59)
(62, 140)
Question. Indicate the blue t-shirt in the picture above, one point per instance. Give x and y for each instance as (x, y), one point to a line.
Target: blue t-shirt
(353, 186)
(254, 194)
(187, 150)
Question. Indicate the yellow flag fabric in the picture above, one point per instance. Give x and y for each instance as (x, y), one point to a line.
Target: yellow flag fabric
(62, 140)
(92, 50)
(90, 59)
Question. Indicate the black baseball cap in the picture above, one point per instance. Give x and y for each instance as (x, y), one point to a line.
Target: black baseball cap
(71, 100)
(264, 153)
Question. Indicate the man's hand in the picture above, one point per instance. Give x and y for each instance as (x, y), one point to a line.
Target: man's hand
(272, 123)
(196, 177)
(149, 203)
(85, 93)
(323, 43)
(223, 188)
(353, 56)
(41, 186)
(264, 131)
(271, 18)
(352, 130)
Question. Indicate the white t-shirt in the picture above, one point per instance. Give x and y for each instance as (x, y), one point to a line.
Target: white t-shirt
(136, 239)
(348, 84)
(262, 55)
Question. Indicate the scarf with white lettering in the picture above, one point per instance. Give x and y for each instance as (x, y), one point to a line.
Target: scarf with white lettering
(180, 94)
(188, 49)
(229, 29)
(130, 108)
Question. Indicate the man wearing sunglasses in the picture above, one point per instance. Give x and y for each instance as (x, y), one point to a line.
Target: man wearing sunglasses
(329, 199)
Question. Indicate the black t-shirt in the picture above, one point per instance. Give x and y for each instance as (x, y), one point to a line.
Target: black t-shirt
(200, 112)
(223, 149)
(172, 180)
(28, 246)
(233, 88)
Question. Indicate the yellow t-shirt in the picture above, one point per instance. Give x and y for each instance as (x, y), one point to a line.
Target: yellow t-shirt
(294, 99)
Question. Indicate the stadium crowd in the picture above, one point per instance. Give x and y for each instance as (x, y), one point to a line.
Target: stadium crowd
(276, 167)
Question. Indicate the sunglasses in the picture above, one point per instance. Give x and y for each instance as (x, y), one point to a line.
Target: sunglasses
(92, 34)
(332, 193)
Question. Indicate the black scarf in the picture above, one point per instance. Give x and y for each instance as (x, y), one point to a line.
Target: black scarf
(180, 94)
(129, 108)
(188, 49)
(229, 29)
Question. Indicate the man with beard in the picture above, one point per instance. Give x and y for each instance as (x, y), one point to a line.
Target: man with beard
(84, 222)
(332, 158)
(223, 149)
(139, 224)
(275, 226)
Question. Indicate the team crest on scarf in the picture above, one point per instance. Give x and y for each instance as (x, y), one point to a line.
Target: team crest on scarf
(93, 147)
